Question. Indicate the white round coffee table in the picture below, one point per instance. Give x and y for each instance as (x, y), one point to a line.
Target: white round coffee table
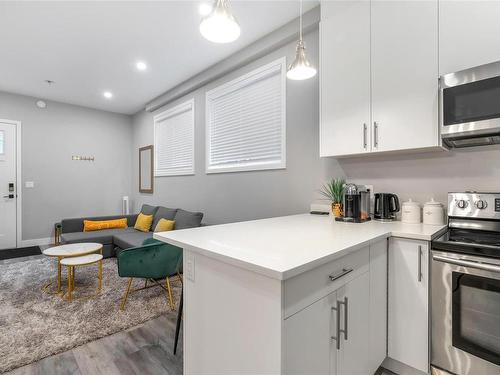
(85, 260)
(69, 250)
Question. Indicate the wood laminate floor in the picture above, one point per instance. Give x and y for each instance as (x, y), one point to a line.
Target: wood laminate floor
(146, 349)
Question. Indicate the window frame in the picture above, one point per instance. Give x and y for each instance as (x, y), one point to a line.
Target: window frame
(171, 112)
(233, 85)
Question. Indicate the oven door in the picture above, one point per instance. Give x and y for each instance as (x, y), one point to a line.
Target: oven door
(469, 103)
(465, 297)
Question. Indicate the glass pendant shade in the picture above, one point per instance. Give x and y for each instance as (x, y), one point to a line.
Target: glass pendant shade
(300, 68)
(220, 26)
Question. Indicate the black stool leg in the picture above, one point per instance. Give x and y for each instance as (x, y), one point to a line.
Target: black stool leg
(179, 318)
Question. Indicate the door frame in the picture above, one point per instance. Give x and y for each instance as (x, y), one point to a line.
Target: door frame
(18, 125)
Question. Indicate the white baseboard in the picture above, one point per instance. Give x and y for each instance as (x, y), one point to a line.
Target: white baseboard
(36, 242)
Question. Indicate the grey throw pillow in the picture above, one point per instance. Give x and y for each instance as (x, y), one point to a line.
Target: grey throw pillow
(164, 213)
(186, 219)
(148, 210)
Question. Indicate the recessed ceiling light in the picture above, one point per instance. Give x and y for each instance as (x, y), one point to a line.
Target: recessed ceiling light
(107, 94)
(205, 9)
(41, 104)
(141, 65)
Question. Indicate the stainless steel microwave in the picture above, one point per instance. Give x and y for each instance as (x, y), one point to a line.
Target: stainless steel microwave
(470, 106)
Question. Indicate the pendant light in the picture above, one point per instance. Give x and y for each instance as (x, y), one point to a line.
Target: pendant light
(220, 26)
(300, 68)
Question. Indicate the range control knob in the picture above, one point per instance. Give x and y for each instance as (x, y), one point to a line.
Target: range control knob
(462, 203)
(480, 204)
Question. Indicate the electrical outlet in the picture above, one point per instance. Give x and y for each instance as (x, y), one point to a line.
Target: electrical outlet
(189, 269)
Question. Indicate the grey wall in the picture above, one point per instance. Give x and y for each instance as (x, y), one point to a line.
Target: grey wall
(247, 195)
(422, 176)
(66, 188)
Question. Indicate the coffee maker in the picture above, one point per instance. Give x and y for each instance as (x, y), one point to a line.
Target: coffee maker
(386, 206)
(356, 204)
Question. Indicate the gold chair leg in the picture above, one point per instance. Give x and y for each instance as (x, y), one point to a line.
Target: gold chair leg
(180, 277)
(124, 301)
(170, 297)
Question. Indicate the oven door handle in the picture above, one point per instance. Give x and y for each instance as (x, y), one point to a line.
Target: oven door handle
(467, 263)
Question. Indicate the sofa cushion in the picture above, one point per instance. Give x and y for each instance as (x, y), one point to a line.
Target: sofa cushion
(186, 219)
(100, 236)
(146, 209)
(131, 239)
(163, 213)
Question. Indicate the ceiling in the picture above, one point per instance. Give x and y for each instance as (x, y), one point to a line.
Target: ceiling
(89, 47)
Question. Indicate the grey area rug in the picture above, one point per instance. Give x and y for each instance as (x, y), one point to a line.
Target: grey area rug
(34, 325)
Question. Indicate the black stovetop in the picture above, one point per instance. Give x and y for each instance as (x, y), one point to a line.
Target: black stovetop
(468, 241)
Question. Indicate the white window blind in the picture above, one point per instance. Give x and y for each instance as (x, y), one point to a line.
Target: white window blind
(246, 121)
(174, 141)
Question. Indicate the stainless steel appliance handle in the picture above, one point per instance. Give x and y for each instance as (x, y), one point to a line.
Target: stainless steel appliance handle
(340, 274)
(467, 263)
(337, 333)
(365, 128)
(375, 134)
(419, 263)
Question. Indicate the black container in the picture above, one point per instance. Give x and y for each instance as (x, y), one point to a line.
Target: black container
(386, 206)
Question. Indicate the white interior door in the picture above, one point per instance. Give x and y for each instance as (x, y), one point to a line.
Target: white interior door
(8, 186)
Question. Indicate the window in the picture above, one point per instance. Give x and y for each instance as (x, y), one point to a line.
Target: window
(174, 141)
(246, 121)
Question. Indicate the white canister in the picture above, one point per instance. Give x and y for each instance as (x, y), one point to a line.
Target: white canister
(411, 212)
(433, 213)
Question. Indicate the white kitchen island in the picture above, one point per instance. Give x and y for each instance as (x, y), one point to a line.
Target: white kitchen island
(297, 294)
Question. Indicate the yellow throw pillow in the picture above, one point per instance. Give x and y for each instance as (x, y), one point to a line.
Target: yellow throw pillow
(143, 222)
(165, 225)
(92, 225)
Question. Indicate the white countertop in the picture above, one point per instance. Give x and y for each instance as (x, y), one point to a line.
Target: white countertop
(283, 247)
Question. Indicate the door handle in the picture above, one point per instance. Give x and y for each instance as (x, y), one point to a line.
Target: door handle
(337, 321)
(375, 134)
(346, 314)
(10, 196)
(365, 143)
(467, 263)
(419, 276)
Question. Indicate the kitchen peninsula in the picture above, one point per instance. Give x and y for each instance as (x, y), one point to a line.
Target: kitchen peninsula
(295, 294)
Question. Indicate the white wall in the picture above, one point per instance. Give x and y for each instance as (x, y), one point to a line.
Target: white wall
(66, 188)
(422, 176)
(247, 195)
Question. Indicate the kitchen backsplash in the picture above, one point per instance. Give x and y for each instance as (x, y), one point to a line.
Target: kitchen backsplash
(426, 175)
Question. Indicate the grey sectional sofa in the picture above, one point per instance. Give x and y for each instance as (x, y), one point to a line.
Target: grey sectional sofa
(113, 240)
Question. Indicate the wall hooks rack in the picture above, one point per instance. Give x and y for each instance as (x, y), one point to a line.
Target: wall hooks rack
(82, 158)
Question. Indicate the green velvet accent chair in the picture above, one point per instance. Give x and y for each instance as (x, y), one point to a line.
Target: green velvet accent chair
(153, 261)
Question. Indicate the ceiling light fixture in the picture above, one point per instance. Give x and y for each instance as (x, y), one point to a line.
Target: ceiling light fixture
(220, 26)
(107, 94)
(141, 65)
(205, 9)
(300, 68)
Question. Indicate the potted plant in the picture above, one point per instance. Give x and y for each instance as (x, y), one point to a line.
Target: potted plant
(334, 191)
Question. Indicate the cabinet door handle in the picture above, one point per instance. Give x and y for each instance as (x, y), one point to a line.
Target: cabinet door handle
(340, 274)
(337, 321)
(346, 315)
(419, 263)
(365, 143)
(375, 134)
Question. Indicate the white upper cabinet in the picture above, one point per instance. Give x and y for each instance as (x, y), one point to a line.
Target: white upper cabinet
(404, 37)
(379, 76)
(469, 34)
(345, 77)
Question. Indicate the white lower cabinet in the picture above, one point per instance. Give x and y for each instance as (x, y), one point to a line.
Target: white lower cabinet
(408, 315)
(333, 335)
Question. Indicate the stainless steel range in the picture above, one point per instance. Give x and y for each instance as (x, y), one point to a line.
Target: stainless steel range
(465, 287)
